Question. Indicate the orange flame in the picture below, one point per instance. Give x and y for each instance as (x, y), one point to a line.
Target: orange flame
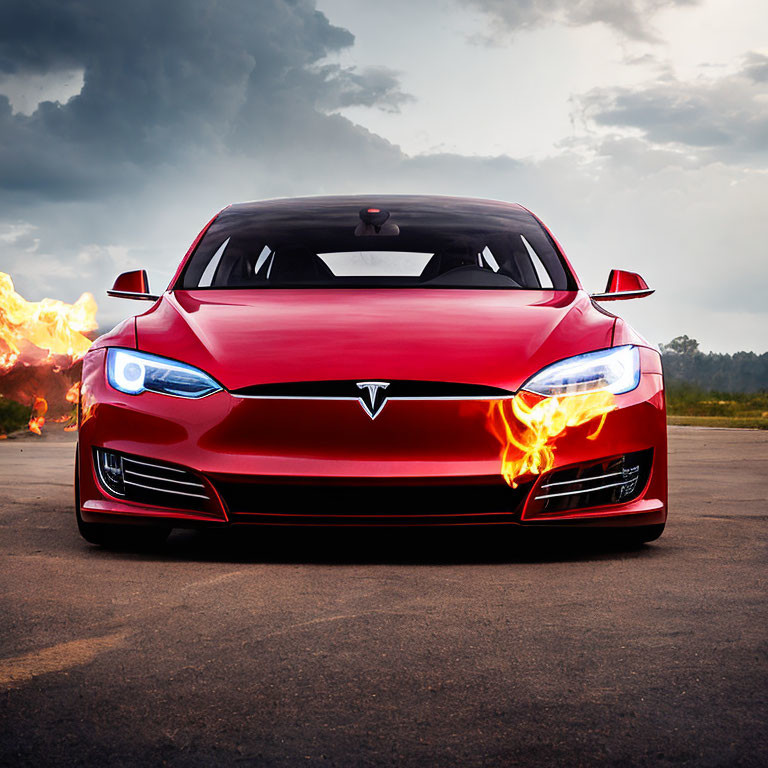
(72, 396)
(73, 393)
(49, 325)
(527, 427)
(39, 409)
(38, 341)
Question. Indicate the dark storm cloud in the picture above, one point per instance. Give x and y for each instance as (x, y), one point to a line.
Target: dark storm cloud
(723, 119)
(173, 82)
(629, 17)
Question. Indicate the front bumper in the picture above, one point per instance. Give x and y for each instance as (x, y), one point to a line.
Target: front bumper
(293, 462)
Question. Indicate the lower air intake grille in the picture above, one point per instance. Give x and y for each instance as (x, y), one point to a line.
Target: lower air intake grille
(378, 505)
(136, 478)
(610, 481)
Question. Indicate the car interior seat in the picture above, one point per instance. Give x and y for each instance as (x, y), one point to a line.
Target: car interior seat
(444, 261)
(298, 265)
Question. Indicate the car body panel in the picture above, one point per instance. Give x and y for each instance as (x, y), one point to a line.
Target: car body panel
(122, 335)
(490, 337)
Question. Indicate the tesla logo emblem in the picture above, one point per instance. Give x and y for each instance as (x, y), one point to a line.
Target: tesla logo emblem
(370, 398)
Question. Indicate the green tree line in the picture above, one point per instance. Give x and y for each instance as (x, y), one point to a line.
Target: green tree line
(742, 372)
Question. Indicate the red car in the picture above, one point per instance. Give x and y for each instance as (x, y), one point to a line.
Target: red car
(379, 360)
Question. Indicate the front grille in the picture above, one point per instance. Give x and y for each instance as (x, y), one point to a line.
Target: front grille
(148, 481)
(396, 388)
(367, 504)
(611, 481)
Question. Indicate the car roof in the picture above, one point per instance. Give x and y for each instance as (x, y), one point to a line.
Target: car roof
(316, 203)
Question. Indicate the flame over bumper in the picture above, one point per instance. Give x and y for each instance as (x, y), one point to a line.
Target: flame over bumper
(258, 446)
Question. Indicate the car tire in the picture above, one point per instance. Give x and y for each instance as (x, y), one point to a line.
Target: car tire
(116, 535)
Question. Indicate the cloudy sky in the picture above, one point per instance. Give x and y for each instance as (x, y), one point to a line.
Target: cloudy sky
(637, 129)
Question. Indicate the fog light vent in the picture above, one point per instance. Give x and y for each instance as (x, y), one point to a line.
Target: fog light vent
(610, 481)
(629, 478)
(140, 479)
(109, 466)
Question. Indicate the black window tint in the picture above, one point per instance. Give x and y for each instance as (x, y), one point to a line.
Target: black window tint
(427, 242)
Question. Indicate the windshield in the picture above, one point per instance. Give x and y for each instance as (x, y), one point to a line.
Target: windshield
(391, 242)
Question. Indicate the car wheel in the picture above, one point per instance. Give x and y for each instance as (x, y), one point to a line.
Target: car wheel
(115, 535)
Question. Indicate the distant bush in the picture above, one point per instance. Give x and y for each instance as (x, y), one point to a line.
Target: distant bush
(13, 415)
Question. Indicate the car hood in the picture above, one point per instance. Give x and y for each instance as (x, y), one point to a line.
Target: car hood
(485, 337)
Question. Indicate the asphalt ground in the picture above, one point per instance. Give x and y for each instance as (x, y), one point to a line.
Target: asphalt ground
(394, 648)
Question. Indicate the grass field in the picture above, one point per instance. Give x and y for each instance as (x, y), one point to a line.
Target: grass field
(729, 422)
(691, 406)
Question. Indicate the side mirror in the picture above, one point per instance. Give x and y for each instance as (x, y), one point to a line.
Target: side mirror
(132, 285)
(623, 285)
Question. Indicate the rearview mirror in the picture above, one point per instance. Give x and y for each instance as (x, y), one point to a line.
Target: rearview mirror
(623, 285)
(132, 285)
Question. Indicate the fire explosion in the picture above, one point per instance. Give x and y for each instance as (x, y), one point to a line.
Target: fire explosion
(40, 345)
(527, 426)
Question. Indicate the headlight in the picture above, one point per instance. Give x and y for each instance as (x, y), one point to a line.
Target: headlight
(137, 372)
(614, 370)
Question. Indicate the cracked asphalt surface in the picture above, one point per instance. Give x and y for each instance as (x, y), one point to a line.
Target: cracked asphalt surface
(389, 649)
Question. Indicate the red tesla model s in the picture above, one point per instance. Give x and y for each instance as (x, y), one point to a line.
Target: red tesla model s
(372, 360)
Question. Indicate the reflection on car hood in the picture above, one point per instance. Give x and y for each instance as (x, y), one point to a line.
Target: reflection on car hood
(486, 337)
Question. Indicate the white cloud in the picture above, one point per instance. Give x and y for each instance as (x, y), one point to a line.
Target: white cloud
(631, 18)
(13, 231)
(714, 118)
(27, 90)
